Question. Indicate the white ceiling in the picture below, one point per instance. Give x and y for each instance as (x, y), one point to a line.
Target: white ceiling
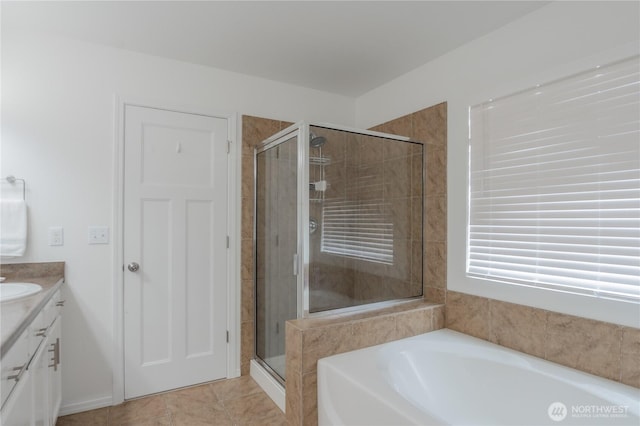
(344, 47)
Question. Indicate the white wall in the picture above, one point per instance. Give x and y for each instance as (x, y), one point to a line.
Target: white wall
(58, 134)
(555, 41)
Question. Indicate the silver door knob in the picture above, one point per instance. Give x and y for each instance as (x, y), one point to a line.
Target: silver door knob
(133, 267)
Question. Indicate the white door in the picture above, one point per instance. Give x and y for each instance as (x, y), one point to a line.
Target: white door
(175, 231)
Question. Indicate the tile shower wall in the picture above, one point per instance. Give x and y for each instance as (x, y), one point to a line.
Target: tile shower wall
(330, 276)
(399, 187)
(385, 178)
(311, 339)
(430, 126)
(608, 350)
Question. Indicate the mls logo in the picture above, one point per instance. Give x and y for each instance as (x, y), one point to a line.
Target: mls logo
(557, 411)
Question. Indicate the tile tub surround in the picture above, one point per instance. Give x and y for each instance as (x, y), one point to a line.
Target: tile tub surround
(607, 350)
(310, 339)
(16, 315)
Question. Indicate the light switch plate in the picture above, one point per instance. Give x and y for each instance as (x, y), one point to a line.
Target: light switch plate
(98, 235)
(56, 236)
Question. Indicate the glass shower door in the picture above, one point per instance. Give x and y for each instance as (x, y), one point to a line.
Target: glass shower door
(366, 195)
(276, 245)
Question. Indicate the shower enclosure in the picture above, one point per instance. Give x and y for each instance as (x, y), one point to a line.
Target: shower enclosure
(338, 224)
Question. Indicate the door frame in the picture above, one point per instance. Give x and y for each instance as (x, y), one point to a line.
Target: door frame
(233, 229)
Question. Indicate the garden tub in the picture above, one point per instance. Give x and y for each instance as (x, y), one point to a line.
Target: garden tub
(449, 378)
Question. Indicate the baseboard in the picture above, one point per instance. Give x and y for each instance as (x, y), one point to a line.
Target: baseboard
(270, 385)
(79, 407)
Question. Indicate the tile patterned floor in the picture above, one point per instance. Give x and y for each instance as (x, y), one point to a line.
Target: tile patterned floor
(226, 402)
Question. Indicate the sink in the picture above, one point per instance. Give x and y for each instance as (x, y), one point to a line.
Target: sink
(11, 291)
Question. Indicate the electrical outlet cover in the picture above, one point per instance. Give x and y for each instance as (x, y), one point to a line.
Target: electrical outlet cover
(56, 236)
(98, 235)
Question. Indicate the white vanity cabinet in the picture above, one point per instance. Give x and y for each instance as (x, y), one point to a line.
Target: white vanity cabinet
(31, 384)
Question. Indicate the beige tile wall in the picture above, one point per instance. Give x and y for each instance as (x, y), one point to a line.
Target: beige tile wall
(330, 276)
(430, 126)
(386, 175)
(608, 350)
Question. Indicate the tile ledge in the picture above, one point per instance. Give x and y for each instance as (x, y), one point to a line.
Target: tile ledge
(330, 319)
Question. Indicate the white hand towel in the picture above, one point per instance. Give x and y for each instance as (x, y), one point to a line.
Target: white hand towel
(13, 227)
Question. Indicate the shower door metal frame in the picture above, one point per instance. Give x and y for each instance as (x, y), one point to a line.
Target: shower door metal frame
(303, 282)
(302, 191)
(301, 261)
(273, 141)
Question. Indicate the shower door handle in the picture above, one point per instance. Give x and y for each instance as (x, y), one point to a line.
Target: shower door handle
(295, 264)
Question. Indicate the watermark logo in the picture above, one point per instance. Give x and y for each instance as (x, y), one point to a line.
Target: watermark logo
(557, 411)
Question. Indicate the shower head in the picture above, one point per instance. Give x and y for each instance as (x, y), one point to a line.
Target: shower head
(316, 141)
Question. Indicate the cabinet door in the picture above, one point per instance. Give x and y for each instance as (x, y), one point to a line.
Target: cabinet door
(12, 366)
(18, 409)
(40, 378)
(55, 373)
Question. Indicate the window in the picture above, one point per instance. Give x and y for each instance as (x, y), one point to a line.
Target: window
(554, 185)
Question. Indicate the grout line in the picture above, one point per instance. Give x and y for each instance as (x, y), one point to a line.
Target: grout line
(545, 335)
(620, 357)
(490, 320)
(168, 412)
(226, 411)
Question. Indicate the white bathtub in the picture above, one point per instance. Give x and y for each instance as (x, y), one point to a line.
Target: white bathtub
(449, 378)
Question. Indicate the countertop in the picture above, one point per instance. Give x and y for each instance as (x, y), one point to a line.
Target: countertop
(16, 315)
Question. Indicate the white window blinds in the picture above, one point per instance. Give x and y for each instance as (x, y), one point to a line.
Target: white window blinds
(357, 229)
(555, 185)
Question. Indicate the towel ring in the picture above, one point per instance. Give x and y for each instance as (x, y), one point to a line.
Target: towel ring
(12, 180)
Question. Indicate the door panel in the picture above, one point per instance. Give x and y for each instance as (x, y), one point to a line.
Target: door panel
(156, 309)
(192, 167)
(175, 228)
(199, 296)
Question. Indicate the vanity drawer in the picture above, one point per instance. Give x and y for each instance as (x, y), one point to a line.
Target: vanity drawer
(37, 333)
(14, 364)
(53, 308)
